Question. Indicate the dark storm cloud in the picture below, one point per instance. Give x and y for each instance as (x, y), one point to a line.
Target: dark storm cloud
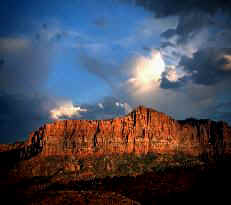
(169, 33)
(208, 66)
(210, 27)
(167, 44)
(224, 106)
(2, 62)
(225, 116)
(24, 103)
(27, 65)
(198, 30)
(222, 111)
(194, 16)
(19, 115)
(174, 7)
(167, 84)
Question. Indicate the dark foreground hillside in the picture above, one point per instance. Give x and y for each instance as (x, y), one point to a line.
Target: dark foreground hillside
(151, 179)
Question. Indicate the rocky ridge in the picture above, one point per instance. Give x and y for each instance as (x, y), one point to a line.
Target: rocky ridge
(142, 131)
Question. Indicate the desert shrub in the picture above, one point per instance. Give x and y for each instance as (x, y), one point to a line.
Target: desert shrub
(148, 158)
(136, 168)
(160, 168)
(99, 167)
(180, 156)
(123, 168)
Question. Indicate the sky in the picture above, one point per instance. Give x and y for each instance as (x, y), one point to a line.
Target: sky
(98, 59)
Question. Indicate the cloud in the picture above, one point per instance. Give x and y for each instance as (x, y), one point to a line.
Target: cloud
(24, 99)
(26, 66)
(108, 107)
(200, 25)
(199, 46)
(20, 114)
(168, 33)
(2, 62)
(172, 78)
(226, 62)
(222, 111)
(145, 31)
(111, 73)
(208, 66)
(145, 72)
(173, 7)
(127, 108)
(13, 44)
(100, 105)
(66, 110)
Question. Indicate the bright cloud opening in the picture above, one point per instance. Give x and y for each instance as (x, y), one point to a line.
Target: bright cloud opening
(150, 69)
(147, 71)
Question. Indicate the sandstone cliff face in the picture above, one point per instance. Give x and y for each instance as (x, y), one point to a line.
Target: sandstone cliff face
(141, 131)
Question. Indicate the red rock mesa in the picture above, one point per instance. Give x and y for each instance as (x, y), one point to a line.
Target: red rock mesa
(141, 131)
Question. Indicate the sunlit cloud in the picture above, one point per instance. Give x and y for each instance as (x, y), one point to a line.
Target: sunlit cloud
(127, 108)
(173, 74)
(100, 105)
(147, 71)
(66, 110)
(227, 66)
